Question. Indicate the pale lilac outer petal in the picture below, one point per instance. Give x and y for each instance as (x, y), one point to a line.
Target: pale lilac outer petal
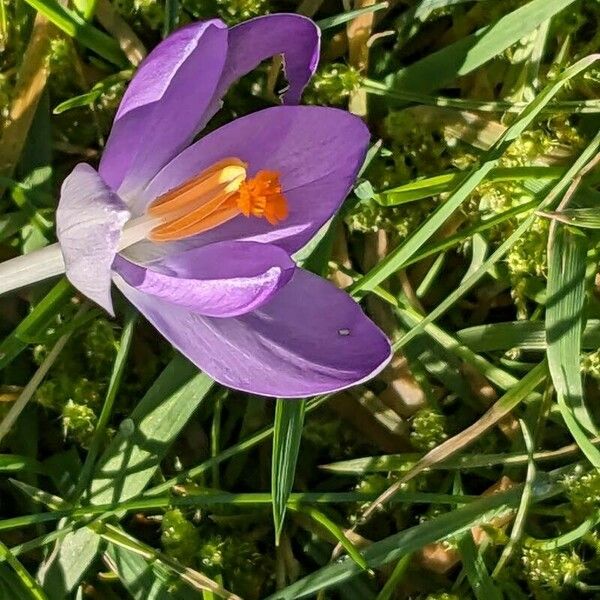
(89, 221)
(295, 37)
(219, 280)
(164, 104)
(311, 338)
(317, 151)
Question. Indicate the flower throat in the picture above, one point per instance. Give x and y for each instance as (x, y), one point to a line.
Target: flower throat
(217, 195)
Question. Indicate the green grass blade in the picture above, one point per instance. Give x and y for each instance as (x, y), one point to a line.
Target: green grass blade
(411, 540)
(496, 375)
(76, 27)
(142, 580)
(397, 462)
(481, 583)
(98, 438)
(520, 517)
(470, 281)
(35, 322)
(568, 538)
(586, 218)
(488, 161)
(528, 335)
(10, 585)
(471, 52)
(11, 463)
(131, 459)
(378, 88)
(287, 435)
(342, 18)
(401, 568)
(336, 531)
(438, 184)
(28, 583)
(567, 251)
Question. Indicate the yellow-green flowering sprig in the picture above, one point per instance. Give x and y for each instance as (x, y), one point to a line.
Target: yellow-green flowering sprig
(76, 388)
(590, 364)
(583, 491)
(235, 11)
(142, 14)
(332, 84)
(231, 11)
(100, 344)
(412, 150)
(549, 573)
(79, 422)
(179, 536)
(61, 59)
(235, 559)
(151, 12)
(428, 429)
(5, 98)
(442, 596)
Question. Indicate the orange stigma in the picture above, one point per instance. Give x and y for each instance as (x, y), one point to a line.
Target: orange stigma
(217, 195)
(262, 196)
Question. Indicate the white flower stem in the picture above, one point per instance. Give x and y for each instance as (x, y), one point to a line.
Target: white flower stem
(31, 268)
(48, 262)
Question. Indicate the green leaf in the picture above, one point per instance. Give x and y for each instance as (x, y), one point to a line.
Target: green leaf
(336, 531)
(528, 335)
(438, 184)
(287, 435)
(342, 18)
(95, 93)
(481, 583)
(11, 463)
(400, 256)
(412, 539)
(567, 251)
(29, 585)
(586, 218)
(129, 462)
(35, 322)
(76, 27)
(471, 52)
(10, 223)
(144, 580)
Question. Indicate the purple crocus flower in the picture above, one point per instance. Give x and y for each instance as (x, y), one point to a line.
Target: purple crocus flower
(200, 236)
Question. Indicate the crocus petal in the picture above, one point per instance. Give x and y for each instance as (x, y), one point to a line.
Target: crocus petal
(317, 151)
(218, 280)
(89, 221)
(164, 104)
(293, 36)
(311, 338)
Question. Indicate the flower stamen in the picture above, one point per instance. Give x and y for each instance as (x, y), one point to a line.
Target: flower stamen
(217, 195)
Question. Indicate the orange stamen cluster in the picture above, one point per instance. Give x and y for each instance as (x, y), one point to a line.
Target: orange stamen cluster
(217, 195)
(262, 196)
